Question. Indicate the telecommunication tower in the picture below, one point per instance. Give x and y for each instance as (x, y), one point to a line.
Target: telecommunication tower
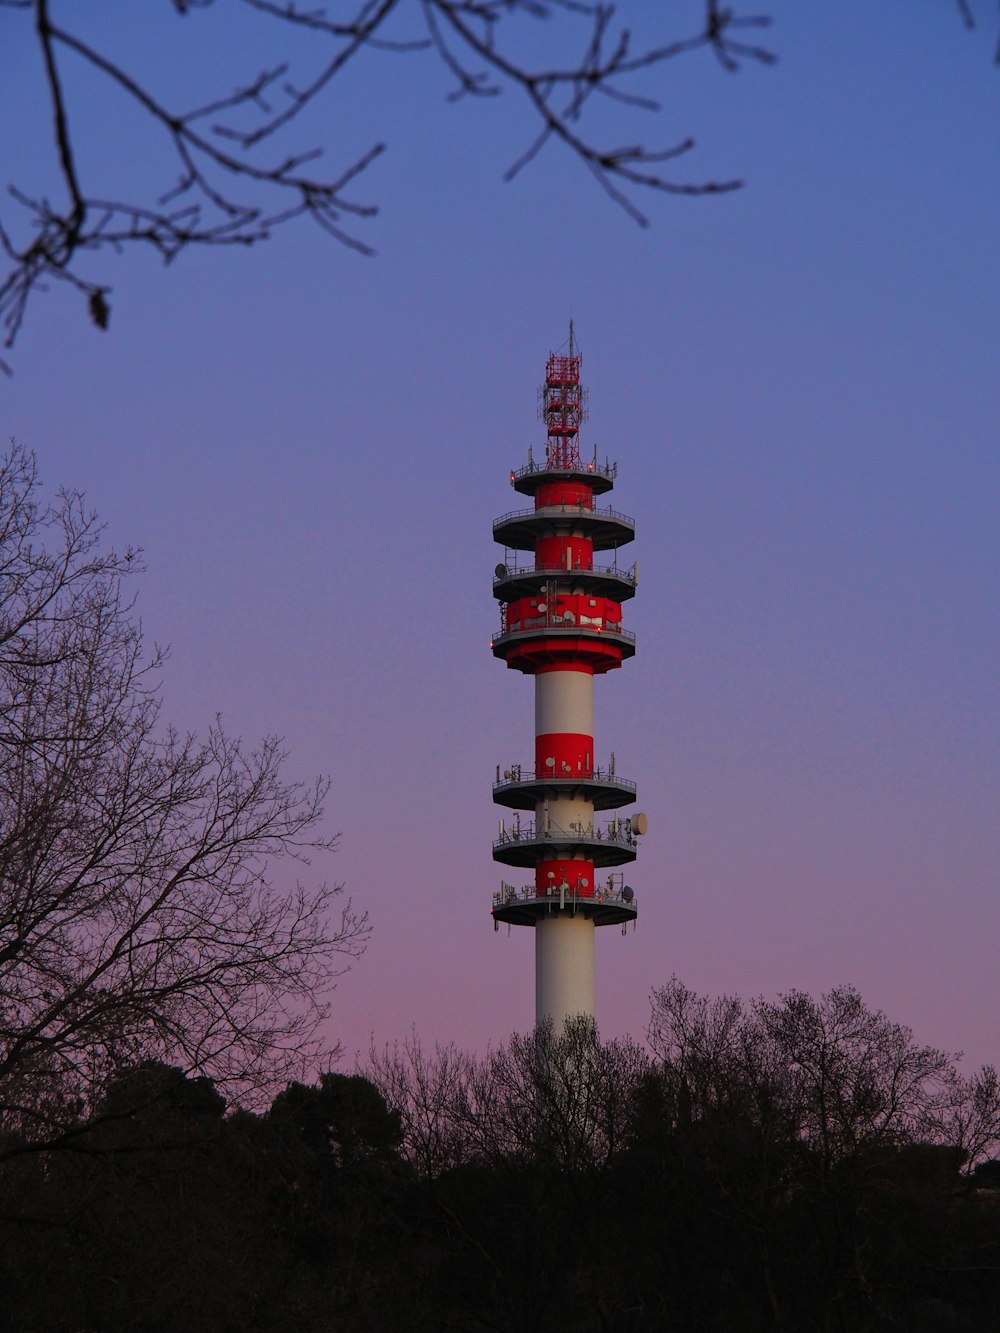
(561, 622)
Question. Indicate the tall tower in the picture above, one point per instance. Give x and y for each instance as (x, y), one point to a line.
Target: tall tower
(561, 622)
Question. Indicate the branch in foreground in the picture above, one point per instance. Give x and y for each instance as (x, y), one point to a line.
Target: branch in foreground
(224, 193)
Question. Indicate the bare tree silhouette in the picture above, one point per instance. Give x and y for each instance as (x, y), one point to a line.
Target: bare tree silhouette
(138, 916)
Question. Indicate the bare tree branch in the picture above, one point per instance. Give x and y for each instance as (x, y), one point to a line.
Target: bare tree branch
(138, 916)
(839, 1078)
(224, 193)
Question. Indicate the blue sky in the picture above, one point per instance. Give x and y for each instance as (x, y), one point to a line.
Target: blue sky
(799, 383)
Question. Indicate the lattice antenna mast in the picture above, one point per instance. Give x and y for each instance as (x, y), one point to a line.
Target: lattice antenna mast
(563, 408)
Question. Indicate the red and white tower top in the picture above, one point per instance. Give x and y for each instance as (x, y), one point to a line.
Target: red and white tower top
(561, 622)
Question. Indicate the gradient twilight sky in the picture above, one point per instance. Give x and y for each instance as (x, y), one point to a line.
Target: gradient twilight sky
(799, 383)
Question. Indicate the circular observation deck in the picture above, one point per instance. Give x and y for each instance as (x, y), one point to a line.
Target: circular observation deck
(618, 584)
(526, 846)
(600, 649)
(606, 528)
(522, 907)
(523, 790)
(598, 477)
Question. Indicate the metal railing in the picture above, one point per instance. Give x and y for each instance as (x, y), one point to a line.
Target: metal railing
(519, 774)
(629, 575)
(550, 621)
(527, 893)
(607, 469)
(571, 509)
(619, 835)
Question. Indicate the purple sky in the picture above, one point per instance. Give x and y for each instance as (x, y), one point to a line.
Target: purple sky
(799, 383)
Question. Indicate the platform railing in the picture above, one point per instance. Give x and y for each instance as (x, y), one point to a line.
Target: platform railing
(620, 836)
(629, 575)
(551, 620)
(519, 775)
(527, 893)
(606, 469)
(569, 510)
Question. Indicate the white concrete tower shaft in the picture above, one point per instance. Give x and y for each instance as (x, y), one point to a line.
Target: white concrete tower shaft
(564, 943)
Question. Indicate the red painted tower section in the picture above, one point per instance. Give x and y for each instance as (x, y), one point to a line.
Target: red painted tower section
(561, 622)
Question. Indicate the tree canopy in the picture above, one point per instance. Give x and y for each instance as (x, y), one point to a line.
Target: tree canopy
(560, 1182)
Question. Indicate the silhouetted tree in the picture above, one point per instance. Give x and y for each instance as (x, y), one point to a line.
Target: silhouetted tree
(140, 1225)
(516, 1151)
(138, 919)
(830, 1143)
(343, 1117)
(704, 1210)
(428, 1090)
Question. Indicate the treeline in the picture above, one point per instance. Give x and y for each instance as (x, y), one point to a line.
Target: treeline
(797, 1165)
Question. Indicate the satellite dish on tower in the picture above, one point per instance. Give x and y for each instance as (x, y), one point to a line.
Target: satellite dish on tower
(638, 824)
(500, 571)
(627, 893)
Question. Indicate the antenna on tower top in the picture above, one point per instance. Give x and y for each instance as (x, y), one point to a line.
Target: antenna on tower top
(562, 407)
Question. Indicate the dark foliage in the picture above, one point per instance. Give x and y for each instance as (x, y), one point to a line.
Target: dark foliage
(680, 1194)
